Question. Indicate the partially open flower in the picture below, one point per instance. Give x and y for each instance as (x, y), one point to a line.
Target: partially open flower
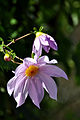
(44, 41)
(30, 79)
(7, 57)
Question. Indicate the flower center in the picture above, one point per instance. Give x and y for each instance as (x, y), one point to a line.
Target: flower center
(38, 34)
(31, 70)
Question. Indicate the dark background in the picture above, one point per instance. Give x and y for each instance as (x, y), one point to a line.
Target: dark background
(61, 20)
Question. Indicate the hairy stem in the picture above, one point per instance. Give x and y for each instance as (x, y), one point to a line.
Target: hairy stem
(18, 58)
(15, 62)
(13, 41)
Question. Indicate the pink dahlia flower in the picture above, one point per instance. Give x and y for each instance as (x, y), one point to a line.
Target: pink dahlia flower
(30, 79)
(44, 41)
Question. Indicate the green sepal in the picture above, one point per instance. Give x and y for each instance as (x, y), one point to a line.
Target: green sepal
(41, 28)
(32, 55)
(13, 55)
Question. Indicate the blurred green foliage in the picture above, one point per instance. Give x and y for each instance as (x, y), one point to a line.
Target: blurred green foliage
(60, 18)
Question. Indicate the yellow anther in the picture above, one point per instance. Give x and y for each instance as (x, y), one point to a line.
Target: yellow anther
(31, 70)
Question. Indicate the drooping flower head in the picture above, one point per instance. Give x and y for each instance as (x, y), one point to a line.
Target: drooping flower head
(44, 41)
(31, 77)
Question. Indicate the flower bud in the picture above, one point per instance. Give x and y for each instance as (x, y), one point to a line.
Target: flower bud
(7, 57)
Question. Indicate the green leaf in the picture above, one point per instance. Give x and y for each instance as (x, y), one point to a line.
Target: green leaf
(13, 55)
(1, 48)
(41, 28)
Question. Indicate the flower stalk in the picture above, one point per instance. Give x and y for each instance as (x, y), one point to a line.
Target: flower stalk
(10, 51)
(13, 41)
(15, 62)
(19, 58)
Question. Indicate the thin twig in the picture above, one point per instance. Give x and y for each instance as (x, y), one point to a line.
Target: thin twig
(15, 62)
(10, 43)
(22, 37)
(13, 41)
(18, 58)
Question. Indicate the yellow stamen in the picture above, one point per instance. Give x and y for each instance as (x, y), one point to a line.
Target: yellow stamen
(31, 70)
(39, 33)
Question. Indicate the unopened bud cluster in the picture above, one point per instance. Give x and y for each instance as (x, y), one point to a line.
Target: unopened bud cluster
(7, 57)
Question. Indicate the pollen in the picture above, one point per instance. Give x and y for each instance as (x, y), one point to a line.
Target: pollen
(31, 70)
(38, 34)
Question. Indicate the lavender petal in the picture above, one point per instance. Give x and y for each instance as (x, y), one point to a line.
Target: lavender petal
(37, 43)
(11, 85)
(45, 59)
(46, 48)
(53, 70)
(21, 92)
(33, 93)
(50, 85)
